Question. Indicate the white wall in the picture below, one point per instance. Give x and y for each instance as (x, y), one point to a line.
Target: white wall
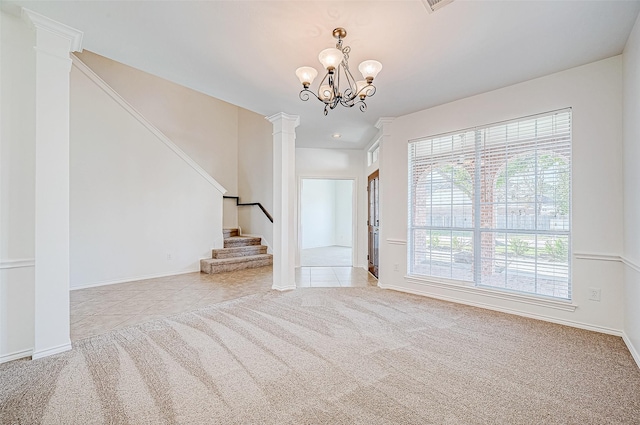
(134, 202)
(204, 127)
(255, 174)
(317, 213)
(343, 212)
(326, 213)
(631, 158)
(594, 92)
(346, 164)
(17, 187)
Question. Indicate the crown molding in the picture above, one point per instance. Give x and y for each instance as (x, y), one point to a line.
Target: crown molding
(41, 22)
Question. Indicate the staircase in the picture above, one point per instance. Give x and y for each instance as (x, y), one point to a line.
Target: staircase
(239, 252)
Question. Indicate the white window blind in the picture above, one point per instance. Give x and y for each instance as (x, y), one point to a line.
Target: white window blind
(491, 205)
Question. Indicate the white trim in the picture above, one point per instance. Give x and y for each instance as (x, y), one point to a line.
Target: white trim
(284, 116)
(16, 355)
(634, 353)
(17, 264)
(51, 351)
(542, 317)
(630, 263)
(507, 296)
(607, 257)
(392, 241)
(382, 121)
(596, 256)
(39, 21)
(134, 279)
(284, 288)
(82, 67)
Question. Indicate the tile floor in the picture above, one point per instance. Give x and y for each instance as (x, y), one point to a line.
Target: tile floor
(105, 308)
(316, 277)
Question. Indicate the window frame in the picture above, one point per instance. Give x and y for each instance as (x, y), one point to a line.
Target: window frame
(477, 229)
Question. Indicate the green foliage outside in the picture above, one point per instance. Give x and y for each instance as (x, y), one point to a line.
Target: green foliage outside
(458, 176)
(459, 244)
(531, 176)
(518, 246)
(557, 249)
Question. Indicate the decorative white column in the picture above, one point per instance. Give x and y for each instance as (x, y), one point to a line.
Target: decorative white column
(284, 199)
(54, 42)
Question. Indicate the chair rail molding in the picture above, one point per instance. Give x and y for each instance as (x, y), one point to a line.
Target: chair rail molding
(631, 263)
(17, 263)
(394, 241)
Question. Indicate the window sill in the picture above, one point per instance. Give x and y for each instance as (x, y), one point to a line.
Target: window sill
(507, 296)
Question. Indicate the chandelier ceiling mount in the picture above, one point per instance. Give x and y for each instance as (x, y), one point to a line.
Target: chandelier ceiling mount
(336, 63)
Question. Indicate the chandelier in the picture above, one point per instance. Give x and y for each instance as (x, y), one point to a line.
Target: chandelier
(336, 62)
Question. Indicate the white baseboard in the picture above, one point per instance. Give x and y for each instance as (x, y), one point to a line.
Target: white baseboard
(283, 288)
(133, 279)
(51, 351)
(634, 352)
(571, 323)
(16, 355)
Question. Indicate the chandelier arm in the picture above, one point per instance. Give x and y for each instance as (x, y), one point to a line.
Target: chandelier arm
(347, 102)
(304, 95)
(369, 90)
(336, 84)
(349, 92)
(353, 94)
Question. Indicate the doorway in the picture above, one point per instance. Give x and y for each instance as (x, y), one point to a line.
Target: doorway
(373, 221)
(326, 222)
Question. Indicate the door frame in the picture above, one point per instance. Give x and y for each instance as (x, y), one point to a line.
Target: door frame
(354, 214)
(374, 175)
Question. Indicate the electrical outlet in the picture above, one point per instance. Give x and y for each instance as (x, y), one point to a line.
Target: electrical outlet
(396, 267)
(594, 294)
(169, 257)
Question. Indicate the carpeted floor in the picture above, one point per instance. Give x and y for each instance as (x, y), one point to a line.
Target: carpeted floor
(330, 356)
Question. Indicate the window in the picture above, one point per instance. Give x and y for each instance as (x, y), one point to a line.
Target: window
(490, 206)
(373, 153)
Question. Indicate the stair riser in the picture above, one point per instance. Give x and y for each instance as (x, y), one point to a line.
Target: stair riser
(234, 243)
(222, 268)
(227, 233)
(239, 252)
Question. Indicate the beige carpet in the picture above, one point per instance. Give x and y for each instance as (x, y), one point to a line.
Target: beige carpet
(330, 356)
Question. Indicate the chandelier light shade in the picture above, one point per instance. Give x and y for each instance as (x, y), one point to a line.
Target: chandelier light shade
(336, 63)
(306, 75)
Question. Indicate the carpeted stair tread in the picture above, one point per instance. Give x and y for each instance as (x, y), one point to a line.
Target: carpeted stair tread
(236, 241)
(240, 251)
(220, 265)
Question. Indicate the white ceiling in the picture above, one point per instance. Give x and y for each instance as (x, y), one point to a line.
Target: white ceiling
(246, 52)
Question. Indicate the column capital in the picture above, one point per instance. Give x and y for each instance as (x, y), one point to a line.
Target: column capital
(281, 116)
(383, 124)
(57, 29)
(284, 123)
